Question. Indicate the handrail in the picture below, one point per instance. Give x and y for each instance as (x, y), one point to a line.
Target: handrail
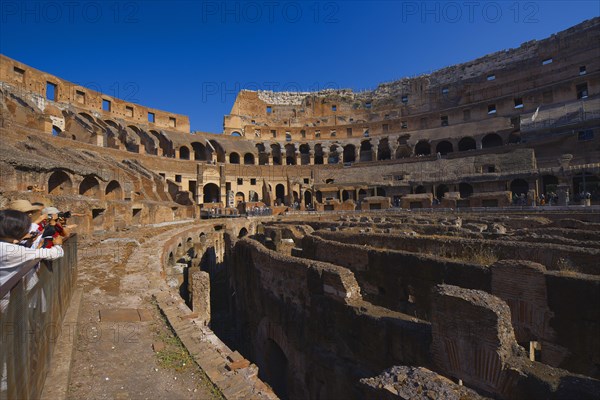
(20, 274)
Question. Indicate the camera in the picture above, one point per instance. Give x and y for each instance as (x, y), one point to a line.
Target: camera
(64, 215)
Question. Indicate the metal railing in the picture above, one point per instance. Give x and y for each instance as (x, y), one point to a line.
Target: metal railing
(31, 315)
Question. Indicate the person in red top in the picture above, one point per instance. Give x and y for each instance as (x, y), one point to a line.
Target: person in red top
(51, 227)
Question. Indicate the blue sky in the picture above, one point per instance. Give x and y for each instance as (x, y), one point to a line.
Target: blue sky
(191, 57)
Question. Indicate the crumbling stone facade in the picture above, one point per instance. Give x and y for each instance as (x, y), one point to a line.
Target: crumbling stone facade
(498, 299)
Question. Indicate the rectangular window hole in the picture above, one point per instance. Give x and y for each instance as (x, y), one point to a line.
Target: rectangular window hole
(50, 91)
(151, 117)
(106, 105)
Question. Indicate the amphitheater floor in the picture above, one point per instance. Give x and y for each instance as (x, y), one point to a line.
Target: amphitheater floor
(114, 355)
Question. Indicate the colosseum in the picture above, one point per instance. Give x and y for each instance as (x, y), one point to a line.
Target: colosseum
(433, 238)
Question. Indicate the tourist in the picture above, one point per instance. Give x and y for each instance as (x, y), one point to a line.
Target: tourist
(51, 228)
(14, 227)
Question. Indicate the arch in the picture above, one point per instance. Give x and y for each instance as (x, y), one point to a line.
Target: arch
(362, 193)
(422, 148)
(212, 194)
(253, 196)
(549, 184)
(199, 151)
(248, 159)
(113, 191)
(349, 153)
(89, 187)
(319, 196)
(465, 190)
(236, 133)
(56, 131)
(263, 157)
(383, 150)
(440, 190)
(112, 124)
(164, 143)
(243, 232)
(215, 147)
(444, 147)
(290, 154)
(586, 182)
(144, 140)
(519, 186)
(280, 193)
(304, 154)
(345, 195)
(59, 183)
(88, 117)
(334, 154)
(276, 154)
(318, 154)
(234, 158)
(276, 368)
(73, 137)
(240, 197)
(366, 151)
(467, 143)
(307, 198)
(491, 140)
(184, 153)
(420, 189)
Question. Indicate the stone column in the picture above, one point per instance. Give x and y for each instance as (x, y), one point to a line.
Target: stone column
(311, 155)
(562, 191)
(199, 290)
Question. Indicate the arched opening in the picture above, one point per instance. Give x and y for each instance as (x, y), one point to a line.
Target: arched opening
(440, 191)
(243, 232)
(345, 195)
(59, 183)
(304, 154)
(263, 157)
(549, 184)
(334, 155)
(383, 150)
(276, 369)
(89, 187)
(586, 183)
(253, 196)
(145, 140)
(362, 193)
(349, 153)
(420, 189)
(211, 193)
(491, 140)
(467, 143)
(379, 191)
(280, 193)
(248, 159)
(215, 147)
(184, 153)
(73, 137)
(519, 187)
(199, 151)
(239, 198)
(465, 190)
(234, 158)
(422, 148)
(514, 137)
(235, 133)
(319, 196)
(308, 199)
(290, 154)
(444, 147)
(366, 151)
(164, 143)
(113, 191)
(318, 154)
(276, 154)
(88, 118)
(56, 131)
